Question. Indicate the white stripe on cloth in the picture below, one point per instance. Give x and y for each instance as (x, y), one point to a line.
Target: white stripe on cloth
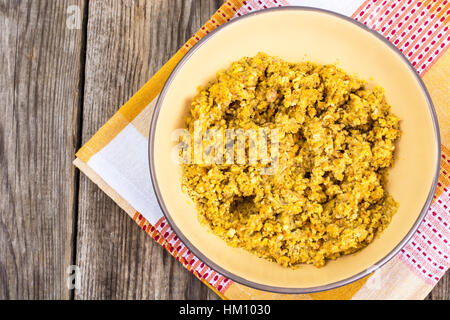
(345, 7)
(123, 164)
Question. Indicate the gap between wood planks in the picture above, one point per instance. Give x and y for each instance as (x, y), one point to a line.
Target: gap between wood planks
(79, 130)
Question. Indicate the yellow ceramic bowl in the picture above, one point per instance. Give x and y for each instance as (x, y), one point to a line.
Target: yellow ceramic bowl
(296, 33)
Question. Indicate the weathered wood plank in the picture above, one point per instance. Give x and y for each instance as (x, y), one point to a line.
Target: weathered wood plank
(127, 42)
(442, 289)
(39, 100)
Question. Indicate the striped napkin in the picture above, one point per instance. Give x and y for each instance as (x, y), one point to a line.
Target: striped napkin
(115, 158)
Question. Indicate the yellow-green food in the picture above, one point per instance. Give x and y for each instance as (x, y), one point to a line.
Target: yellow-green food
(328, 196)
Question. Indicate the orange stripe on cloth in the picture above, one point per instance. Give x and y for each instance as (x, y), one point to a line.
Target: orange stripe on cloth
(444, 174)
(220, 17)
(152, 88)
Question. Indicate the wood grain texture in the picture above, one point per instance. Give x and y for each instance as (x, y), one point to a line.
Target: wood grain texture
(127, 42)
(39, 99)
(442, 289)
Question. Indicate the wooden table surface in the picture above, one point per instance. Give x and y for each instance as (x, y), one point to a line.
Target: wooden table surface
(61, 79)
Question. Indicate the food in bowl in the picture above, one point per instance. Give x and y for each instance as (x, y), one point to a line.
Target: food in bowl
(326, 196)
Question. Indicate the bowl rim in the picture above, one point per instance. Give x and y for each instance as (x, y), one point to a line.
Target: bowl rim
(229, 274)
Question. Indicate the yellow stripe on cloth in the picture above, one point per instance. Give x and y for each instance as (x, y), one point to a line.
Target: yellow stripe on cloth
(239, 291)
(437, 82)
(343, 293)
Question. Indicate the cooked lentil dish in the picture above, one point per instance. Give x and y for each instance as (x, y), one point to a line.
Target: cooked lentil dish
(327, 196)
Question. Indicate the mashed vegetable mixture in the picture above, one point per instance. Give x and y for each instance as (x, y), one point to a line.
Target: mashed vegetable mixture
(328, 195)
